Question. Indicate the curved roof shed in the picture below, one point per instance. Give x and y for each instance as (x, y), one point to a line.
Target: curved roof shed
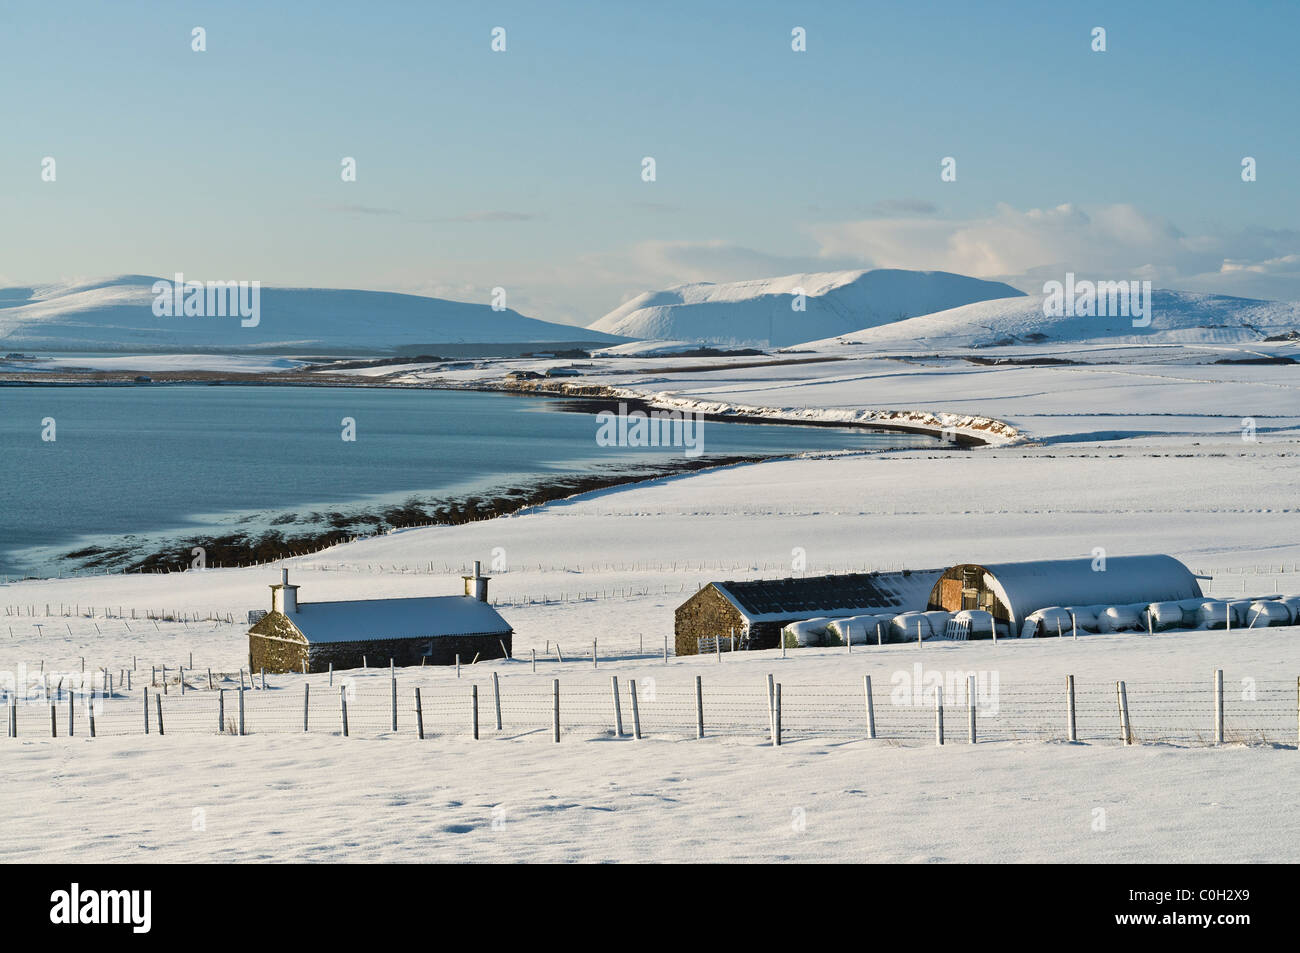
(1011, 591)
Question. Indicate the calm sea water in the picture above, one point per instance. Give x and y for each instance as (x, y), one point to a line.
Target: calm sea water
(193, 459)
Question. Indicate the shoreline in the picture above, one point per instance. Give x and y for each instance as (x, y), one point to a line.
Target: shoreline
(240, 550)
(584, 398)
(338, 525)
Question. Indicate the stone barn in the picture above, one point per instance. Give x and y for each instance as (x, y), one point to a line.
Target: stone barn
(756, 610)
(1013, 591)
(420, 631)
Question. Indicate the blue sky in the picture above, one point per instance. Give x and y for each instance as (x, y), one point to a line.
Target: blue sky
(522, 169)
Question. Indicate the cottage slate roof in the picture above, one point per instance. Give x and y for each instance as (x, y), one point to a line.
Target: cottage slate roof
(767, 600)
(371, 620)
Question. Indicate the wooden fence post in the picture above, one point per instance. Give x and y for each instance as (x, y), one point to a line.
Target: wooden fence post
(1218, 706)
(157, 700)
(776, 733)
(419, 716)
(90, 713)
(534, 651)
(241, 709)
(306, 703)
(871, 707)
(970, 707)
(72, 709)
(593, 653)
(146, 709)
(343, 705)
(1071, 726)
(392, 678)
(474, 697)
(665, 650)
(938, 716)
(1126, 732)
(699, 707)
(636, 713)
(221, 712)
(618, 710)
(13, 717)
(555, 712)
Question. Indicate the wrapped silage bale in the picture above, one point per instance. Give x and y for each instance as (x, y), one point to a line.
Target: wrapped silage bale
(1052, 621)
(981, 622)
(1165, 616)
(1213, 614)
(1119, 619)
(1292, 603)
(1267, 612)
(804, 632)
(1191, 611)
(852, 630)
(878, 628)
(938, 621)
(1240, 610)
(904, 627)
(1085, 617)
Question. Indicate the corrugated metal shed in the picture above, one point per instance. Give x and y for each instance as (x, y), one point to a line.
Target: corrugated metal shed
(1025, 587)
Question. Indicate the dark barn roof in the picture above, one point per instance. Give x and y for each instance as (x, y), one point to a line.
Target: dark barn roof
(766, 599)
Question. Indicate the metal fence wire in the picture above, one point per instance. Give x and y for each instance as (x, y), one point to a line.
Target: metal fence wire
(673, 707)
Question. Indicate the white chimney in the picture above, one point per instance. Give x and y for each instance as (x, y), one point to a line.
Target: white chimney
(284, 597)
(477, 584)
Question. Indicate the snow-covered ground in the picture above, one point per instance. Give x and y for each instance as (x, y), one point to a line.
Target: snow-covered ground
(1156, 452)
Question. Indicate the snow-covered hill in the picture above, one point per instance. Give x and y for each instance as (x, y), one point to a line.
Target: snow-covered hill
(1177, 317)
(116, 314)
(763, 311)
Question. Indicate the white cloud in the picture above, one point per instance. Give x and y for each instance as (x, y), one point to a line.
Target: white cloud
(1027, 247)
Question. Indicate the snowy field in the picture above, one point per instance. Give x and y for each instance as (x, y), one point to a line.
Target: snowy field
(1142, 456)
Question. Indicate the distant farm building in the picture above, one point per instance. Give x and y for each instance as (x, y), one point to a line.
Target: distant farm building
(754, 612)
(1013, 592)
(419, 631)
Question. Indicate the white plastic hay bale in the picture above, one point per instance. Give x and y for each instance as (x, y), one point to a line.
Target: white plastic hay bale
(981, 622)
(1292, 603)
(1191, 611)
(852, 630)
(1085, 617)
(938, 619)
(1213, 614)
(805, 632)
(1240, 611)
(1052, 621)
(1119, 619)
(1166, 616)
(885, 621)
(903, 627)
(1267, 612)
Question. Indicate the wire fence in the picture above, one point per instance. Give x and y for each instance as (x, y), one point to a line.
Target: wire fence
(668, 706)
